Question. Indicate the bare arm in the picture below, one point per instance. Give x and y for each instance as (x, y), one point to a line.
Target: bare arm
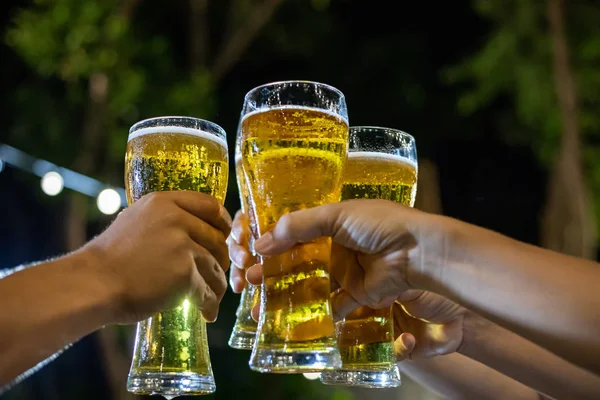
(46, 307)
(455, 376)
(164, 247)
(525, 361)
(547, 297)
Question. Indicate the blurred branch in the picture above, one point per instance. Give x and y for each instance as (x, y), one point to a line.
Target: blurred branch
(198, 32)
(428, 193)
(129, 7)
(569, 221)
(564, 79)
(242, 38)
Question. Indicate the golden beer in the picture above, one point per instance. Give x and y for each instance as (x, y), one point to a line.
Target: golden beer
(366, 336)
(171, 352)
(293, 158)
(244, 331)
(372, 175)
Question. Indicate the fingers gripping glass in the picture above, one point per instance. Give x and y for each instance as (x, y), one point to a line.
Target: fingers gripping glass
(171, 355)
(294, 148)
(244, 331)
(382, 164)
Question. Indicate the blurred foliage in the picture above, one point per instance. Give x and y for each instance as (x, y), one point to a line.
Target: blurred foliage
(387, 67)
(66, 42)
(515, 63)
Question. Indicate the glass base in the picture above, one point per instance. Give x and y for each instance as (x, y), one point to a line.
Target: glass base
(297, 362)
(367, 379)
(171, 384)
(242, 340)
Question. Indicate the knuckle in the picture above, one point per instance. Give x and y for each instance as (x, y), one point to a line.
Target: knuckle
(285, 223)
(153, 198)
(181, 240)
(221, 287)
(209, 300)
(396, 282)
(183, 272)
(221, 239)
(171, 218)
(223, 215)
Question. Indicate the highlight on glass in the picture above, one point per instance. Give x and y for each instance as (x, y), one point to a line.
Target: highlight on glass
(244, 331)
(171, 356)
(382, 164)
(294, 150)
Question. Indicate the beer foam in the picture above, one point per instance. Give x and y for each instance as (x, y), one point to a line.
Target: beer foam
(382, 156)
(292, 107)
(178, 129)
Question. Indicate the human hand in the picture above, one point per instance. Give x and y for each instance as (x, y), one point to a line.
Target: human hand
(427, 324)
(238, 244)
(164, 247)
(380, 248)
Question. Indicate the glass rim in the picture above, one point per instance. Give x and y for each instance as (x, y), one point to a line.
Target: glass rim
(211, 127)
(278, 83)
(382, 129)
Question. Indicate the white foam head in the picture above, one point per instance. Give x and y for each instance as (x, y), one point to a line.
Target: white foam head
(382, 156)
(288, 107)
(178, 129)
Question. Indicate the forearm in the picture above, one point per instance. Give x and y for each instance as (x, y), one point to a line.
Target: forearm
(455, 376)
(45, 308)
(547, 297)
(525, 361)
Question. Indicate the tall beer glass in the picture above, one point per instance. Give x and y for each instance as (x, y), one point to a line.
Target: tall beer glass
(244, 330)
(171, 356)
(294, 149)
(382, 164)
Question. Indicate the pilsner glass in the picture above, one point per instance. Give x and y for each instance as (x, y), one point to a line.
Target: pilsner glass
(244, 331)
(382, 164)
(171, 355)
(294, 149)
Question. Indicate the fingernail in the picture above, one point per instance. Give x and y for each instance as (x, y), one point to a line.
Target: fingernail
(235, 283)
(264, 243)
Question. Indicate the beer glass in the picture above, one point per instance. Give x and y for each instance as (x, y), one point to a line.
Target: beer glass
(244, 330)
(171, 355)
(382, 164)
(294, 149)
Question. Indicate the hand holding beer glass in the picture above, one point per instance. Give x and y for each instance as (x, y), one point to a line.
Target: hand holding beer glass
(294, 149)
(382, 164)
(244, 331)
(171, 355)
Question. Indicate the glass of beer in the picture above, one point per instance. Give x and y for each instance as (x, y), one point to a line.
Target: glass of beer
(294, 149)
(171, 355)
(244, 331)
(382, 164)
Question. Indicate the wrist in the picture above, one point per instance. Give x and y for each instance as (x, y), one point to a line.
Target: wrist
(432, 258)
(90, 273)
(475, 331)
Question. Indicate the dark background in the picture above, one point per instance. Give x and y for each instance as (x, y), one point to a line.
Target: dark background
(389, 58)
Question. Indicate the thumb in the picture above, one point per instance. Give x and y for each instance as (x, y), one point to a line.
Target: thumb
(404, 345)
(299, 227)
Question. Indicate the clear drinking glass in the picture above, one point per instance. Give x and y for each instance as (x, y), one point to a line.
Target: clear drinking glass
(294, 149)
(382, 164)
(244, 331)
(171, 356)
